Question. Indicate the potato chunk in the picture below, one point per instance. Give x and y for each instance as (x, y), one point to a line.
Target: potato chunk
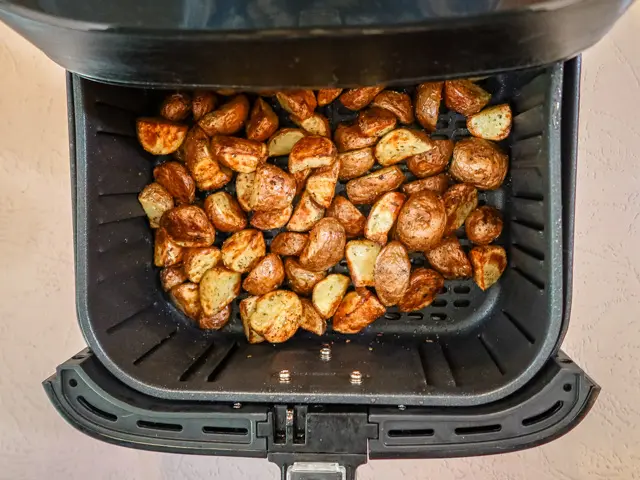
(311, 320)
(465, 97)
(289, 243)
(312, 152)
(449, 259)
(328, 293)
(358, 98)
(188, 226)
(176, 107)
(238, 154)
(391, 273)
(479, 162)
(159, 136)
(243, 250)
(228, 119)
(427, 101)
(348, 215)
(383, 216)
(263, 121)
(483, 225)
(186, 298)
(367, 189)
(326, 244)
(321, 184)
(155, 200)
(361, 259)
(459, 201)
(247, 307)
(300, 279)
(398, 103)
(300, 103)
(400, 144)
(197, 261)
(282, 142)
(225, 212)
(218, 288)
(424, 285)
(493, 123)
(488, 262)
(357, 310)
(277, 316)
(267, 275)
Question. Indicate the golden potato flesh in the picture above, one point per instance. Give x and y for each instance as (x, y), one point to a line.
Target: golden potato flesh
(196, 261)
(326, 244)
(355, 163)
(243, 250)
(244, 189)
(305, 215)
(424, 285)
(375, 122)
(204, 102)
(311, 320)
(159, 136)
(263, 122)
(186, 297)
(348, 215)
(350, 137)
(166, 251)
(327, 95)
(238, 154)
(300, 103)
(488, 262)
(225, 212)
(266, 276)
(432, 162)
(277, 316)
(172, 276)
(400, 144)
(422, 221)
(465, 97)
(358, 310)
(247, 307)
(215, 321)
(361, 259)
(367, 189)
(427, 104)
(289, 243)
(316, 124)
(282, 142)
(449, 259)
(391, 273)
(155, 200)
(176, 107)
(321, 184)
(272, 219)
(383, 216)
(219, 286)
(273, 189)
(188, 226)
(312, 152)
(228, 119)
(328, 293)
(437, 183)
(300, 279)
(483, 225)
(493, 123)
(301, 179)
(398, 103)
(358, 98)
(459, 201)
(479, 162)
(176, 180)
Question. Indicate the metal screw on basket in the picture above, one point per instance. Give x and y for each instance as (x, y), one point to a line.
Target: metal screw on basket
(284, 376)
(237, 405)
(356, 377)
(325, 353)
(402, 407)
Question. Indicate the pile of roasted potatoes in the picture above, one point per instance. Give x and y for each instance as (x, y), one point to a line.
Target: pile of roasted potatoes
(222, 143)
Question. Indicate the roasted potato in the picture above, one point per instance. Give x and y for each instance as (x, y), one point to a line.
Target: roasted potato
(424, 285)
(449, 259)
(238, 154)
(479, 162)
(172, 276)
(155, 200)
(427, 103)
(367, 189)
(289, 243)
(271, 219)
(226, 92)
(312, 152)
(188, 226)
(465, 97)
(218, 288)
(348, 215)
(432, 162)
(488, 262)
(400, 144)
(244, 189)
(243, 250)
(438, 184)
(159, 136)
(383, 216)
(375, 122)
(215, 321)
(422, 221)
(316, 124)
(321, 185)
(267, 275)
(459, 201)
(273, 189)
(225, 212)
(206, 171)
(311, 320)
(358, 98)
(327, 95)
(299, 278)
(263, 122)
(176, 180)
(186, 298)
(361, 259)
(300, 103)
(483, 225)
(493, 123)
(165, 251)
(203, 102)
(328, 293)
(391, 273)
(283, 141)
(247, 307)
(397, 103)
(277, 316)
(198, 260)
(355, 163)
(228, 119)
(305, 215)
(301, 179)
(176, 107)
(326, 244)
(357, 310)
(350, 137)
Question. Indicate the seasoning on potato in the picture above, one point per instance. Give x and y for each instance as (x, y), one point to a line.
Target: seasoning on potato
(465, 97)
(355, 163)
(424, 285)
(225, 212)
(238, 154)
(166, 251)
(391, 273)
(433, 161)
(488, 262)
(327, 95)
(422, 221)
(449, 259)
(247, 307)
(277, 316)
(243, 250)
(196, 261)
(206, 171)
(398, 103)
(358, 310)
(375, 122)
(483, 225)
(383, 216)
(188, 226)
(312, 152)
(219, 286)
(289, 243)
(367, 189)
(326, 244)
(361, 259)
(263, 122)
(215, 321)
(437, 183)
(305, 215)
(228, 119)
(321, 184)
(348, 215)
(176, 107)
(299, 278)
(459, 201)
(267, 275)
(271, 219)
(493, 123)
(328, 293)
(479, 162)
(273, 188)
(155, 200)
(400, 144)
(427, 104)
(159, 136)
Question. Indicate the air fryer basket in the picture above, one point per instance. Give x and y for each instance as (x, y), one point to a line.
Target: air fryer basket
(467, 348)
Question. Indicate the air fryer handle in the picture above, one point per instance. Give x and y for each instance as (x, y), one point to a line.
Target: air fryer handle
(318, 471)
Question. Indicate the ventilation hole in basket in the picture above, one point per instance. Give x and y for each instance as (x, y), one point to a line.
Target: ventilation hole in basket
(567, 387)
(392, 316)
(268, 234)
(163, 427)
(482, 202)
(461, 303)
(197, 363)
(438, 316)
(538, 197)
(224, 431)
(73, 383)
(532, 252)
(96, 411)
(519, 326)
(415, 315)
(343, 263)
(541, 417)
(150, 352)
(539, 227)
(418, 432)
(439, 303)
(478, 430)
(418, 261)
(530, 278)
(462, 289)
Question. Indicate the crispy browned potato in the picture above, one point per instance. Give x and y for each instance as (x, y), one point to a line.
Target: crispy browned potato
(449, 259)
(375, 122)
(483, 225)
(176, 180)
(432, 162)
(465, 97)
(300, 103)
(225, 212)
(391, 273)
(244, 189)
(206, 171)
(273, 189)
(247, 307)
(350, 137)
(348, 215)
(277, 316)
(401, 144)
(228, 119)
(263, 121)
(176, 107)
(218, 288)
(188, 226)
(358, 98)
(243, 250)
(428, 98)
(299, 278)
(215, 321)
(361, 258)
(267, 275)
(422, 221)
(493, 123)
(186, 298)
(166, 252)
(289, 243)
(383, 216)
(155, 200)
(488, 262)
(479, 162)
(316, 124)
(459, 201)
(328, 293)
(306, 214)
(159, 136)
(367, 189)
(312, 152)
(238, 154)
(437, 183)
(271, 219)
(283, 141)
(355, 163)
(327, 95)
(357, 310)
(226, 92)
(198, 260)
(301, 179)
(172, 276)
(321, 185)
(204, 102)
(326, 244)
(424, 285)
(397, 103)
(311, 320)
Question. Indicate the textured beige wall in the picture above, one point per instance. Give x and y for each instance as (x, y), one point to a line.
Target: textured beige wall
(37, 316)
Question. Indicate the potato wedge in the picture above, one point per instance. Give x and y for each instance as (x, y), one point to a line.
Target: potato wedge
(204, 101)
(272, 219)
(300, 103)
(316, 124)
(206, 171)
(176, 180)
(176, 107)
(361, 258)
(422, 221)
(493, 123)
(376, 122)
(172, 276)
(312, 152)
(228, 119)
(348, 215)
(459, 201)
(321, 185)
(397, 103)
(215, 321)
(159, 136)
(277, 316)
(244, 189)
(479, 162)
(358, 98)
(350, 137)
(273, 189)
(238, 154)
(483, 225)
(391, 273)
(188, 226)
(400, 144)
(283, 141)
(465, 97)
(358, 310)
(432, 162)
(301, 179)
(219, 286)
(367, 189)
(383, 216)
(326, 244)
(186, 298)
(427, 102)
(243, 250)
(355, 163)
(247, 307)
(263, 121)
(437, 183)
(289, 243)
(449, 259)
(267, 275)
(155, 200)
(225, 212)
(196, 261)
(424, 285)
(328, 293)
(327, 95)
(226, 92)
(305, 215)
(165, 251)
(488, 262)
(300, 279)
(311, 320)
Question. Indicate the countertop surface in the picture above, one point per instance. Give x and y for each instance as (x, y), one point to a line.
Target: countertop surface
(38, 327)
